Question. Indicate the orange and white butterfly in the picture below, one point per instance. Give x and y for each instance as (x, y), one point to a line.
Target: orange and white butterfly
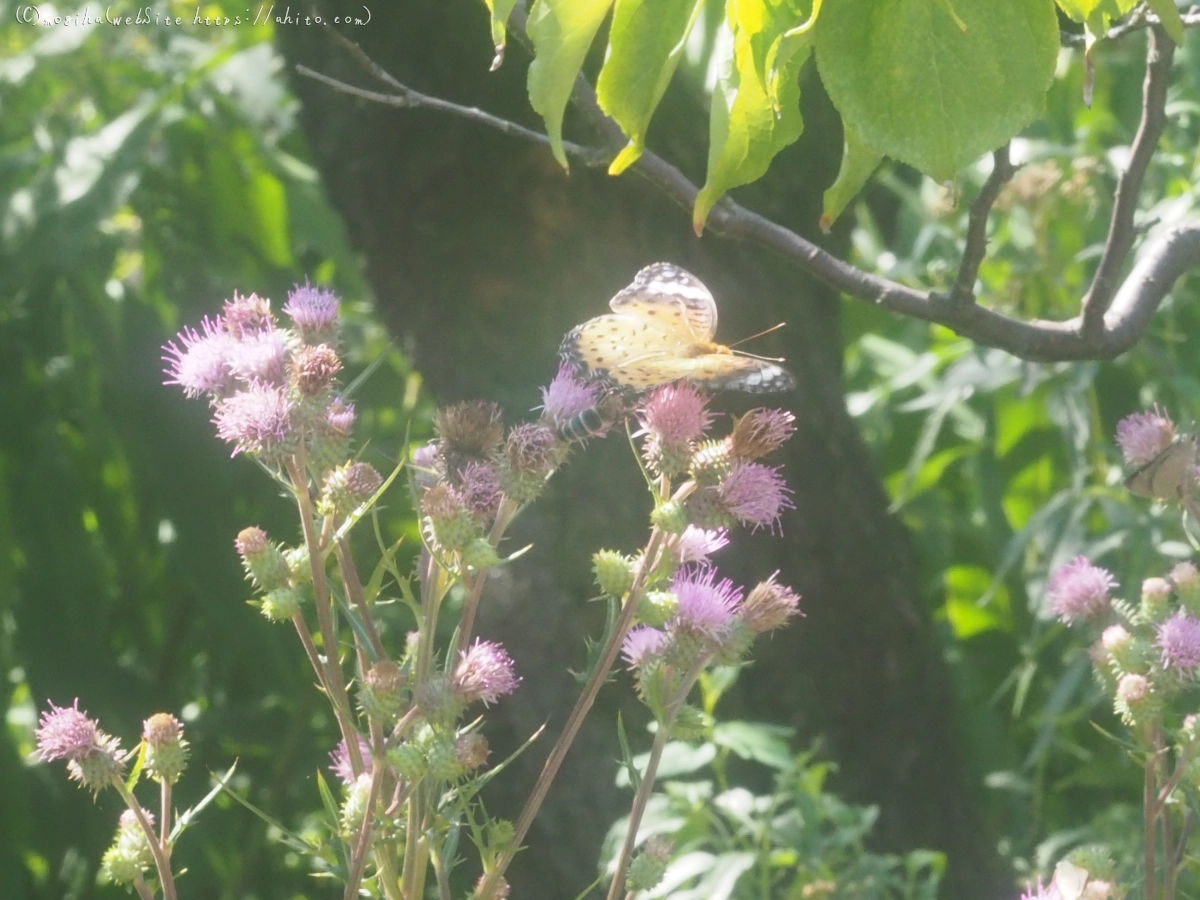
(661, 330)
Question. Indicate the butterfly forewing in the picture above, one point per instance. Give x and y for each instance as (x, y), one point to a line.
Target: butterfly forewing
(660, 331)
(1166, 475)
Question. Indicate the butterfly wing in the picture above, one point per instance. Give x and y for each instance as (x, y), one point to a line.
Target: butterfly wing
(726, 372)
(672, 297)
(624, 351)
(1165, 476)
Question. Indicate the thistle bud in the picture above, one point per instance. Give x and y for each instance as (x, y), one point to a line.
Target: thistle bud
(711, 462)
(438, 700)
(281, 604)
(615, 572)
(130, 854)
(649, 866)
(453, 525)
(1156, 594)
(1187, 581)
(670, 517)
(691, 724)
(354, 807)
(265, 564)
(479, 554)
(468, 431)
(299, 566)
(409, 761)
(166, 750)
(314, 368)
(381, 695)
(657, 608)
(472, 750)
(347, 487)
(531, 453)
(705, 509)
(442, 759)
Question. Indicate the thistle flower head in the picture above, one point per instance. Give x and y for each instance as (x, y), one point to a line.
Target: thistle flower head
(1142, 436)
(314, 368)
(769, 606)
(348, 486)
(566, 397)
(251, 541)
(642, 645)
(312, 309)
(755, 495)
(200, 361)
(260, 356)
(696, 545)
(1041, 892)
(1185, 577)
(484, 672)
(760, 432)
(480, 488)
(1179, 641)
(339, 416)
(243, 316)
(674, 415)
(166, 750)
(255, 420)
(339, 760)
(469, 430)
(1080, 590)
(1132, 688)
(66, 733)
(531, 453)
(161, 730)
(706, 606)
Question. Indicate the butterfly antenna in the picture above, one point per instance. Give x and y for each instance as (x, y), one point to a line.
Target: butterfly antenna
(774, 359)
(760, 334)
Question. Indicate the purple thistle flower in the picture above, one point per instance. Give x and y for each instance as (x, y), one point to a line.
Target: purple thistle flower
(566, 396)
(340, 417)
(697, 544)
(480, 489)
(313, 309)
(256, 420)
(1041, 892)
(675, 414)
(244, 316)
(1179, 641)
(706, 606)
(201, 364)
(1142, 436)
(260, 356)
(66, 733)
(755, 494)
(1080, 590)
(339, 760)
(642, 645)
(759, 432)
(484, 672)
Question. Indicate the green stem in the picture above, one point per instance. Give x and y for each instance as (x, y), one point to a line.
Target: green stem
(1150, 820)
(354, 591)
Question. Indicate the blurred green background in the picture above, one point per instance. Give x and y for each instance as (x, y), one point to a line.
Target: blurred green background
(146, 173)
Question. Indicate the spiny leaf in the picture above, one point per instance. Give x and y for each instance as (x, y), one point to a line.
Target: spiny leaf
(561, 31)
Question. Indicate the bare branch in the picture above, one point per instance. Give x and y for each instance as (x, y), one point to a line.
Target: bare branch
(1121, 231)
(976, 244)
(1121, 309)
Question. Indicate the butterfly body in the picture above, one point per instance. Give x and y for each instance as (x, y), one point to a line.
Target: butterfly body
(660, 331)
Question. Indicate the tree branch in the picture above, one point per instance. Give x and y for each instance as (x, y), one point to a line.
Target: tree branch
(1121, 231)
(1115, 313)
(1140, 18)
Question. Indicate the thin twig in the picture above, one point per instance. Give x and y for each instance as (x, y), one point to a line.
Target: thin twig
(1121, 232)
(1140, 18)
(358, 858)
(1158, 266)
(975, 248)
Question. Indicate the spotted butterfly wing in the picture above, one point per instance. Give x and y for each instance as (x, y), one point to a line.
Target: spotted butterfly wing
(1166, 475)
(660, 331)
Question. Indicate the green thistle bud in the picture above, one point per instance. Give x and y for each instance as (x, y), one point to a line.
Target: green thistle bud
(670, 517)
(479, 554)
(1156, 596)
(500, 834)
(691, 724)
(453, 525)
(438, 701)
(354, 807)
(1187, 581)
(649, 866)
(711, 463)
(706, 511)
(347, 487)
(472, 750)
(409, 760)
(442, 758)
(265, 564)
(381, 695)
(130, 854)
(614, 572)
(657, 608)
(166, 750)
(299, 567)
(281, 604)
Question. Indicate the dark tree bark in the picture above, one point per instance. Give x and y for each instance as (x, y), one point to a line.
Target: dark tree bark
(482, 253)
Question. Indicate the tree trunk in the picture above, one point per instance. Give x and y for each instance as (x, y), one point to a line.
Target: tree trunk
(482, 253)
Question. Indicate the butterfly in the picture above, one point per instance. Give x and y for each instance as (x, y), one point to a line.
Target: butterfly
(660, 330)
(1167, 474)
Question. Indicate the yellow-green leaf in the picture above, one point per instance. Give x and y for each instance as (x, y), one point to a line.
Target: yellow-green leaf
(500, 10)
(933, 89)
(1168, 13)
(756, 102)
(858, 163)
(645, 43)
(1106, 10)
(561, 31)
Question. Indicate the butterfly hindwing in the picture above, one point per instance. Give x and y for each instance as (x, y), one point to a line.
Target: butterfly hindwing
(1166, 474)
(660, 331)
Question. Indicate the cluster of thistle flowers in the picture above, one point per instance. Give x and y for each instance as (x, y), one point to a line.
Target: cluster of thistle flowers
(97, 762)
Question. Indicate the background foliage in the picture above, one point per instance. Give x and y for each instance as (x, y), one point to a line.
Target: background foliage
(147, 173)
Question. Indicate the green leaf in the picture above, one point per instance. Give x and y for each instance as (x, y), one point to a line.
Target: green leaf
(1082, 10)
(645, 43)
(500, 10)
(561, 31)
(756, 102)
(858, 163)
(763, 743)
(921, 89)
(1168, 12)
